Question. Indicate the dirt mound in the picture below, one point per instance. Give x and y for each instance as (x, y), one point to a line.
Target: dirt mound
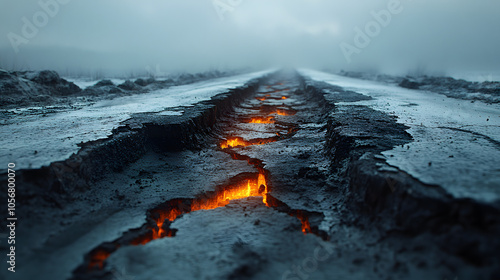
(23, 88)
(455, 88)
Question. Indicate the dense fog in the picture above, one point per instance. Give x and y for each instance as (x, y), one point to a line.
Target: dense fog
(125, 36)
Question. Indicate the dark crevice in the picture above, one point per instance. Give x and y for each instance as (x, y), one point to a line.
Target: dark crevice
(159, 219)
(394, 202)
(128, 143)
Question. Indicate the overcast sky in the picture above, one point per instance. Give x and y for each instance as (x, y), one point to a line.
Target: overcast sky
(196, 35)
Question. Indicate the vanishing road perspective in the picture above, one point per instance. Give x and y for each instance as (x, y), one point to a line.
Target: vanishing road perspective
(249, 140)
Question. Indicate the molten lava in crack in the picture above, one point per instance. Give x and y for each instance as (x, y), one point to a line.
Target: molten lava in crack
(269, 97)
(247, 185)
(299, 214)
(304, 220)
(285, 112)
(164, 215)
(262, 120)
(281, 110)
(234, 142)
(97, 258)
(247, 188)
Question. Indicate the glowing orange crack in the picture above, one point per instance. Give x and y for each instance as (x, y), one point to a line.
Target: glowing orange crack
(268, 96)
(98, 258)
(245, 188)
(262, 120)
(234, 142)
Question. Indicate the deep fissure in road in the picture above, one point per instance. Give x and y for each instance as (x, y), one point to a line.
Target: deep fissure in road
(261, 118)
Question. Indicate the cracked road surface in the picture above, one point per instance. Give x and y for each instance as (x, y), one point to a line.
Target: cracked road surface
(276, 180)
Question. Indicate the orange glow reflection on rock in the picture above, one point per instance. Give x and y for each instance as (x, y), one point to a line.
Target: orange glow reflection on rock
(283, 112)
(240, 142)
(165, 215)
(299, 214)
(261, 182)
(304, 220)
(247, 188)
(97, 259)
(262, 120)
(234, 142)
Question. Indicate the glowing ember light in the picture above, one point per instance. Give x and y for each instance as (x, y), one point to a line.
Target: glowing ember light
(169, 215)
(98, 258)
(268, 96)
(306, 227)
(240, 142)
(246, 188)
(299, 214)
(261, 182)
(262, 120)
(283, 112)
(234, 142)
(304, 220)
